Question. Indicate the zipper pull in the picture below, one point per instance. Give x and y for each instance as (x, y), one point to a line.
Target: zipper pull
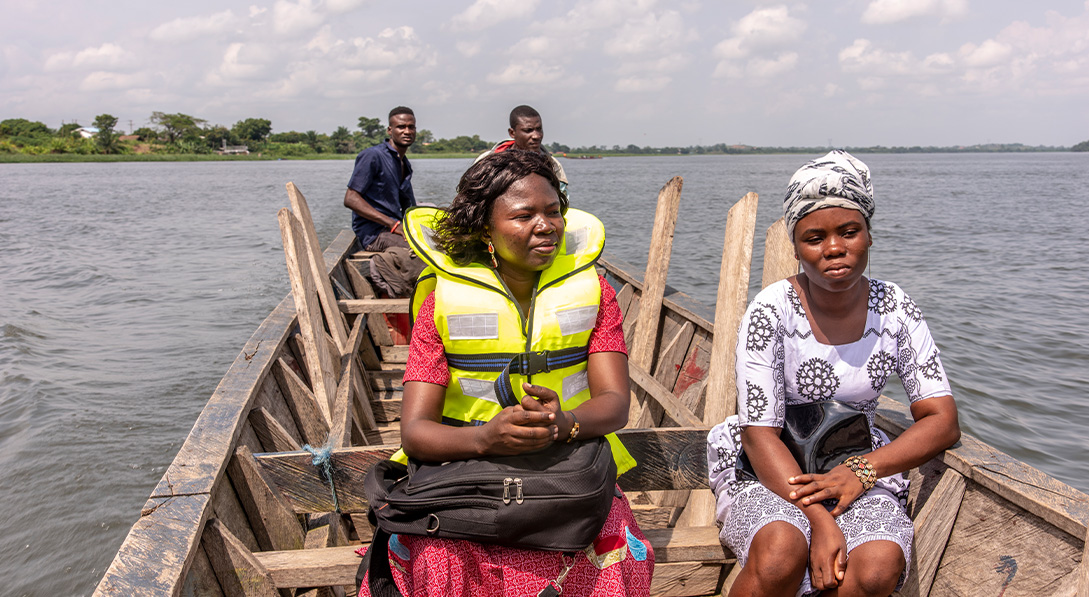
(506, 490)
(518, 484)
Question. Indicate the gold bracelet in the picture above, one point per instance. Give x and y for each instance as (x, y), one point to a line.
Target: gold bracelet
(863, 470)
(574, 428)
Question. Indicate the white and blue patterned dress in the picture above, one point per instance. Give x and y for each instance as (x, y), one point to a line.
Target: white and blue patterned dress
(779, 362)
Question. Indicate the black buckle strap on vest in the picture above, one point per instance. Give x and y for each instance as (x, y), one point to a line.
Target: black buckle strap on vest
(533, 363)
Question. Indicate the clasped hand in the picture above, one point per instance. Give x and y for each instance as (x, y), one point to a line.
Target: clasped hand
(828, 549)
(526, 427)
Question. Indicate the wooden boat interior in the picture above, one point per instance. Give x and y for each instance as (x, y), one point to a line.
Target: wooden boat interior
(243, 509)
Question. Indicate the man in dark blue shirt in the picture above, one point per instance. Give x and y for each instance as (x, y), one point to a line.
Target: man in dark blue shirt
(380, 189)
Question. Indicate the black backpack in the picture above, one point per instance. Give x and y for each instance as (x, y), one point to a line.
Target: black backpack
(556, 499)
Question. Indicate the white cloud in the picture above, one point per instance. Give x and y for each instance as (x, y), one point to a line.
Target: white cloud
(989, 53)
(766, 68)
(885, 12)
(764, 28)
(488, 13)
(190, 28)
(469, 48)
(648, 33)
(343, 6)
(289, 18)
(241, 63)
(758, 46)
(391, 48)
(528, 72)
(642, 84)
(107, 81)
(106, 56)
(863, 58)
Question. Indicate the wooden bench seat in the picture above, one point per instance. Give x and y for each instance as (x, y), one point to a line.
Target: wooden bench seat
(678, 552)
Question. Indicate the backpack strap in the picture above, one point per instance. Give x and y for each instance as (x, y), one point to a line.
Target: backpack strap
(375, 567)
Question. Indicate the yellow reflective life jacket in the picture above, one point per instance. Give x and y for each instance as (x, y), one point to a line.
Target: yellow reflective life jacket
(486, 336)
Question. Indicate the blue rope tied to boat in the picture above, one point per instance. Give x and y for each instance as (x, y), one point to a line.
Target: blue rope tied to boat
(323, 459)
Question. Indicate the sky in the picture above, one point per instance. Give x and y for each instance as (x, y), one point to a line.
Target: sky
(601, 72)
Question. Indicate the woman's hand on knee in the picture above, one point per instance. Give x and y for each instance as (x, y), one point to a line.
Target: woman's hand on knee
(827, 556)
(838, 484)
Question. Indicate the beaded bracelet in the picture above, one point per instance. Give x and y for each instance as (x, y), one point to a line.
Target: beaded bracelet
(863, 470)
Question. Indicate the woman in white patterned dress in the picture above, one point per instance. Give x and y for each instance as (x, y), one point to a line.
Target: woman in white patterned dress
(827, 333)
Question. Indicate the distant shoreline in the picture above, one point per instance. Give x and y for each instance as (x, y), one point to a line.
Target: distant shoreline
(21, 158)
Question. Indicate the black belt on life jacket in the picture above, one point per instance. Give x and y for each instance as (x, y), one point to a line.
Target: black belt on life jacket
(524, 363)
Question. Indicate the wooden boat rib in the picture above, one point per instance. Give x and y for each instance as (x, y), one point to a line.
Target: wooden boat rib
(243, 511)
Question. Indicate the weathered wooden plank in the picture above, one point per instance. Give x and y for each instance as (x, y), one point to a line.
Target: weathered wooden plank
(394, 354)
(333, 318)
(384, 436)
(161, 545)
(623, 299)
(779, 260)
(673, 354)
(270, 432)
(666, 371)
(201, 579)
(303, 288)
(654, 517)
(388, 379)
(229, 511)
(999, 548)
(668, 458)
(641, 351)
(338, 565)
(661, 394)
(733, 286)
(374, 305)
(694, 368)
(360, 284)
(368, 351)
(272, 400)
(680, 303)
(159, 548)
(301, 403)
(299, 481)
(387, 408)
(240, 574)
(932, 529)
(272, 520)
(630, 318)
(1054, 501)
(681, 579)
(1083, 570)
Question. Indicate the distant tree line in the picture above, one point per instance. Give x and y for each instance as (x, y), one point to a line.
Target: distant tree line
(184, 134)
(724, 149)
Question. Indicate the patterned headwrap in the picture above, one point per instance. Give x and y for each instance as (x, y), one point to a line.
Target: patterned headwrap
(837, 179)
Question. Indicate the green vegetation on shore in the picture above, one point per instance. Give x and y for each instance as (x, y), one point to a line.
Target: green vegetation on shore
(181, 137)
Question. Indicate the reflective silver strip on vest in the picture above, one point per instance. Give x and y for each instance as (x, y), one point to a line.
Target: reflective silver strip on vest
(478, 388)
(576, 240)
(473, 326)
(429, 237)
(575, 383)
(577, 319)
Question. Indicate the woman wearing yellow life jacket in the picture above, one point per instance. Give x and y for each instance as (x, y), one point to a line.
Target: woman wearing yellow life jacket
(511, 271)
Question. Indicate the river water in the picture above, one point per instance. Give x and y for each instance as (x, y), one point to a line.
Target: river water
(127, 289)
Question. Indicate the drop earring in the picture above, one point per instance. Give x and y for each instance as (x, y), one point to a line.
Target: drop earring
(491, 253)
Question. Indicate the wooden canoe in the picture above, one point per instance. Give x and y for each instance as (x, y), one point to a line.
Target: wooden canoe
(243, 511)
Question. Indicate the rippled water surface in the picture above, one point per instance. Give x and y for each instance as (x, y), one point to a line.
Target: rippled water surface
(127, 289)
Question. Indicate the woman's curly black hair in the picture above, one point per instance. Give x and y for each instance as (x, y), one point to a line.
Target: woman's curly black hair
(459, 231)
